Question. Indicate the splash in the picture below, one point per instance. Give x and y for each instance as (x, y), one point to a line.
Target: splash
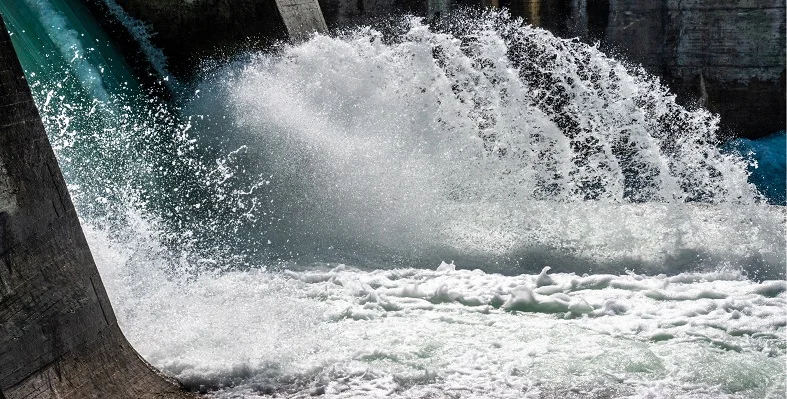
(125, 153)
(487, 141)
(479, 140)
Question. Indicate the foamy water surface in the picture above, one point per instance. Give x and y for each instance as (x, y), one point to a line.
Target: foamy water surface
(447, 331)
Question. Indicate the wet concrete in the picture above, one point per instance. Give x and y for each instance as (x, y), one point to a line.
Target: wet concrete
(58, 334)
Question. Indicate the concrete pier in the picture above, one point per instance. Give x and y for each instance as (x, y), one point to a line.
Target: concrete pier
(301, 17)
(58, 334)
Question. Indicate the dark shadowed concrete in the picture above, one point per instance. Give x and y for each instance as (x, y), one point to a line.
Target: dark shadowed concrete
(189, 31)
(725, 55)
(58, 335)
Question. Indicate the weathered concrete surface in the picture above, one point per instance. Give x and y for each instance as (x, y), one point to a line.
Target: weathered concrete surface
(727, 55)
(301, 17)
(190, 30)
(58, 335)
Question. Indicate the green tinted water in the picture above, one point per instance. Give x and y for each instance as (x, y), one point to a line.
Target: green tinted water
(60, 38)
(123, 149)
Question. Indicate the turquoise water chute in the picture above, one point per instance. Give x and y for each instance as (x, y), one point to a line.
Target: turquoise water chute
(61, 40)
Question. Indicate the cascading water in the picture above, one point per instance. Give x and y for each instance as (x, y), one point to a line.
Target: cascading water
(492, 144)
(283, 230)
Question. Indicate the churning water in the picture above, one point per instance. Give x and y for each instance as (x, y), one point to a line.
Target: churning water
(372, 213)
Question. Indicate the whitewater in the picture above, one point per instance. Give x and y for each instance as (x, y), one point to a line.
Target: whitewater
(472, 208)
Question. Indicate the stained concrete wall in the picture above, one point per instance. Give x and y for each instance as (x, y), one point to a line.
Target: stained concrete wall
(726, 55)
(58, 335)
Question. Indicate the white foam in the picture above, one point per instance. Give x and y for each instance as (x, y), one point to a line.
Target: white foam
(407, 333)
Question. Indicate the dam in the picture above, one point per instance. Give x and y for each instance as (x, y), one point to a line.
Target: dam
(727, 56)
(409, 209)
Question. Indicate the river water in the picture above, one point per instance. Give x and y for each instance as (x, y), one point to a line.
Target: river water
(469, 209)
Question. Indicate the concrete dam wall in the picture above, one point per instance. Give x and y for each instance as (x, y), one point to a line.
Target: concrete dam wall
(726, 55)
(188, 31)
(59, 337)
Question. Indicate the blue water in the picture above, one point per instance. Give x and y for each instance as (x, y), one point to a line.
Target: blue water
(768, 165)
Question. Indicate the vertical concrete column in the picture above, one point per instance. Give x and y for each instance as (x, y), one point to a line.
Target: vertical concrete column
(532, 11)
(301, 17)
(58, 335)
(578, 24)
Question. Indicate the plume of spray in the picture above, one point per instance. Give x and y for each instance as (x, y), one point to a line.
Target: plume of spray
(478, 139)
(486, 141)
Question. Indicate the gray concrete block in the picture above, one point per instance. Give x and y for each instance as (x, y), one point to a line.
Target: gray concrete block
(301, 17)
(58, 335)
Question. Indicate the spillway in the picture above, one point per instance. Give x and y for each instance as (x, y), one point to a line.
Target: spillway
(372, 212)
